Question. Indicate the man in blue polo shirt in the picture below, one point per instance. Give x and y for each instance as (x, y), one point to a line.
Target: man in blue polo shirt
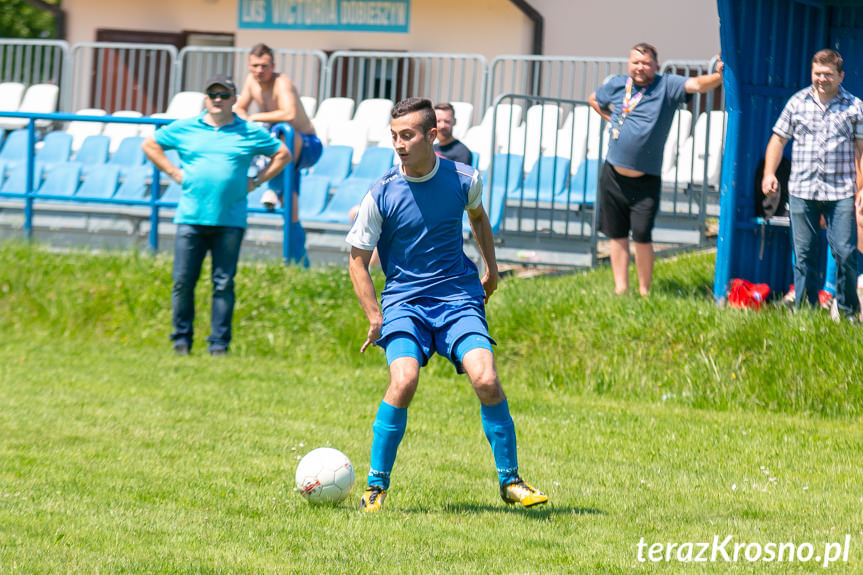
(433, 300)
(215, 149)
(639, 108)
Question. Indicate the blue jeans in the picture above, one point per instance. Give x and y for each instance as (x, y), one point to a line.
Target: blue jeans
(842, 238)
(191, 245)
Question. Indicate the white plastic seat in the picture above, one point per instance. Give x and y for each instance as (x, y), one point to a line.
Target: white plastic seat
(463, 112)
(119, 132)
(353, 135)
(578, 137)
(538, 133)
(331, 113)
(81, 130)
(698, 151)
(185, 105)
(309, 105)
(681, 125)
(479, 138)
(38, 99)
(10, 96)
(373, 115)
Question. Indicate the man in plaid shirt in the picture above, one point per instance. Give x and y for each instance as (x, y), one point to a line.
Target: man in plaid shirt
(826, 123)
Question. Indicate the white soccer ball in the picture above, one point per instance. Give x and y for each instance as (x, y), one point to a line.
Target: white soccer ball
(325, 475)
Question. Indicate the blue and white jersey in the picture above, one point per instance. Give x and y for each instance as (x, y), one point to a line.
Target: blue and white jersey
(416, 225)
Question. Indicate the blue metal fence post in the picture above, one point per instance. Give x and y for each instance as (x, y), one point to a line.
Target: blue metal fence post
(154, 211)
(286, 133)
(31, 166)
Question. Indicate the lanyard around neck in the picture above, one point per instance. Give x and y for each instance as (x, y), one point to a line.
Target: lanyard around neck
(630, 101)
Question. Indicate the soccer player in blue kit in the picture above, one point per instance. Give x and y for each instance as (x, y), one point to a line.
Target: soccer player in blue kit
(433, 300)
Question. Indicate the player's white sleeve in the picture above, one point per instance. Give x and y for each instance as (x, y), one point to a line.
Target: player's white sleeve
(366, 230)
(474, 195)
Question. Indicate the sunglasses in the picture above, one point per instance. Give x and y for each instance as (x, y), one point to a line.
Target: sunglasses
(219, 95)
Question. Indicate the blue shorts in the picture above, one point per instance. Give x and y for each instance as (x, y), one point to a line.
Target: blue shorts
(309, 156)
(436, 327)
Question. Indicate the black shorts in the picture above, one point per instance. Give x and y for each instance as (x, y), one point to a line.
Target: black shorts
(628, 204)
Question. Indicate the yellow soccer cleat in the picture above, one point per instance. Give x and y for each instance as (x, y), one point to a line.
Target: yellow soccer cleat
(520, 492)
(373, 499)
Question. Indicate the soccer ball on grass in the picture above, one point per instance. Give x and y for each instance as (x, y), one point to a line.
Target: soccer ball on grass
(325, 475)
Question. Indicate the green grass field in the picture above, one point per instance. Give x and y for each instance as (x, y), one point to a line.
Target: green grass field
(666, 419)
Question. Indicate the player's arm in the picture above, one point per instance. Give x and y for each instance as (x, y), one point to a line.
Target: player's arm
(707, 82)
(277, 163)
(285, 110)
(769, 183)
(156, 154)
(481, 228)
(604, 112)
(241, 107)
(364, 287)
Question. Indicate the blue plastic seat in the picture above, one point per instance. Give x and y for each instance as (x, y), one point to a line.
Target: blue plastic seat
(583, 184)
(546, 181)
(135, 184)
(16, 183)
(129, 154)
(374, 163)
(100, 182)
(15, 147)
(348, 195)
(334, 164)
(63, 180)
(56, 148)
(313, 196)
(93, 150)
(172, 193)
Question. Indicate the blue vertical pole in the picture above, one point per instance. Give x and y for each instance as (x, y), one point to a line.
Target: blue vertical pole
(154, 211)
(28, 190)
(286, 133)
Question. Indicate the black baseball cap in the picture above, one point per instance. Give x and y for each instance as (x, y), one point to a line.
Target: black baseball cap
(221, 80)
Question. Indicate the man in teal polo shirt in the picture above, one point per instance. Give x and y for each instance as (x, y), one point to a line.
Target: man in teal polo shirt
(215, 150)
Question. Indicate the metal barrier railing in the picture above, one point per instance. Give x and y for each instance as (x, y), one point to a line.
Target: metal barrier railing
(570, 78)
(32, 194)
(117, 76)
(33, 61)
(306, 68)
(399, 75)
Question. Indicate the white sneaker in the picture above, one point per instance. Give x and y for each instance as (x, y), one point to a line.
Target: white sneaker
(270, 200)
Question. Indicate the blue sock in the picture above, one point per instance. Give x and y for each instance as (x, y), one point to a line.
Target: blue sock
(500, 432)
(389, 428)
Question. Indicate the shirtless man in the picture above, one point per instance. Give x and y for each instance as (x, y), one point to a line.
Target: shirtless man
(277, 101)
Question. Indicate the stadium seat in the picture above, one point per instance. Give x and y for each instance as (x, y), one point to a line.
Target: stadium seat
(94, 150)
(463, 112)
(80, 130)
(135, 184)
(185, 105)
(38, 99)
(374, 163)
(332, 112)
(309, 105)
(353, 136)
(16, 182)
(348, 195)
(698, 153)
(55, 148)
(504, 176)
(681, 125)
(373, 114)
(63, 180)
(334, 164)
(15, 148)
(546, 181)
(10, 96)
(537, 135)
(479, 138)
(100, 182)
(128, 154)
(172, 193)
(118, 132)
(314, 192)
(582, 188)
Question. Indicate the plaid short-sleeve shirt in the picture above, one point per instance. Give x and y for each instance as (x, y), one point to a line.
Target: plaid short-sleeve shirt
(822, 157)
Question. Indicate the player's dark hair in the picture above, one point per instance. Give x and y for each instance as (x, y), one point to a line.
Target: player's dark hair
(445, 107)
(828, 57)
(428, 120)
(260, 50)
(645, 48)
